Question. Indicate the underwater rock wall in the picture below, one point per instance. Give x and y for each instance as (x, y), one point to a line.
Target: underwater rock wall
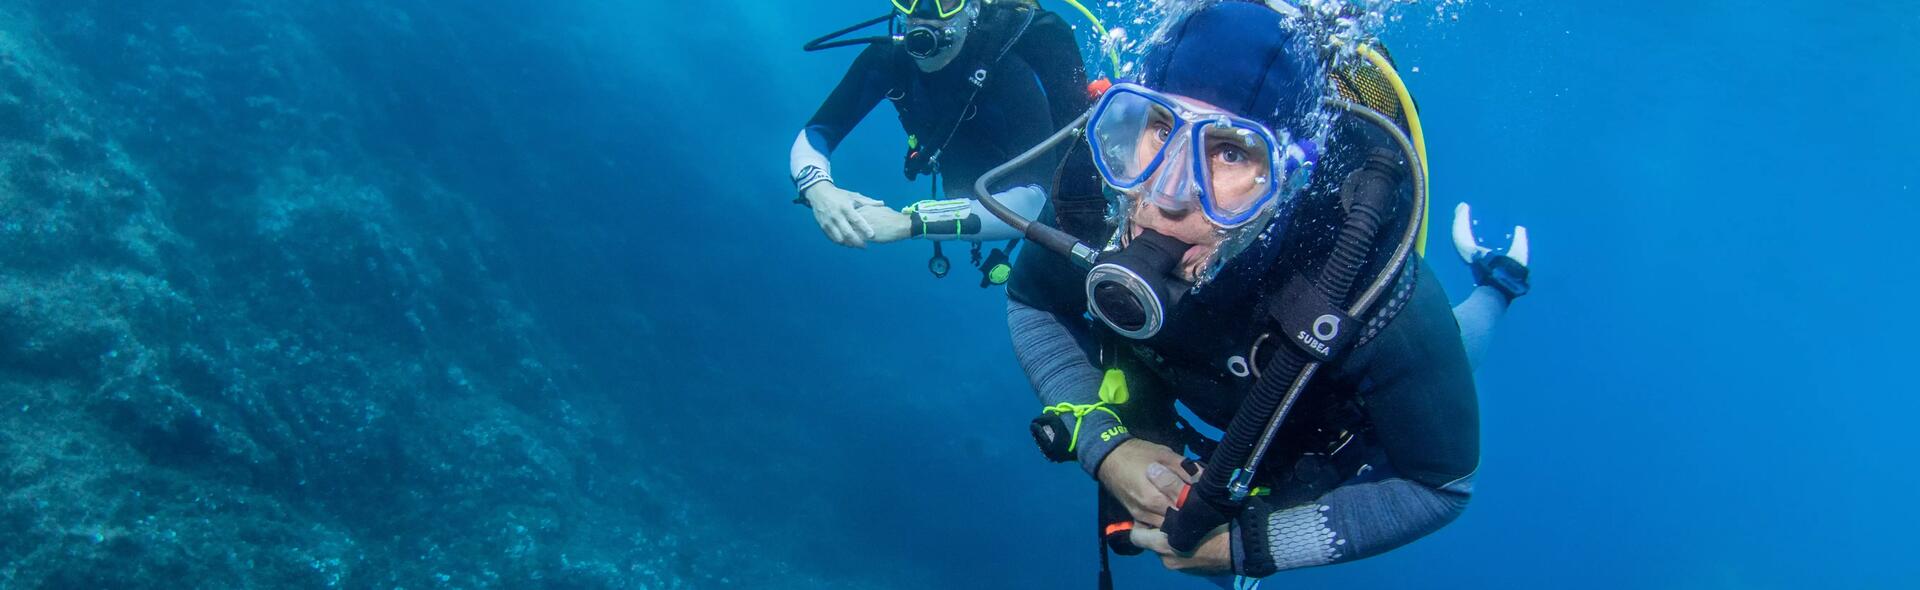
(248, 340)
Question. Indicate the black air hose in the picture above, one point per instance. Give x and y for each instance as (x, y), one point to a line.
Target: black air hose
(1046, 236)
(1367, 193)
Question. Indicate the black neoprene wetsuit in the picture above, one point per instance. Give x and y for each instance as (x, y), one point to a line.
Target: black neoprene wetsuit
(1030, 89)
(1407, 395)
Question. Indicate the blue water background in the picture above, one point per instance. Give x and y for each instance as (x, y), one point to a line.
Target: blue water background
(1708, 389)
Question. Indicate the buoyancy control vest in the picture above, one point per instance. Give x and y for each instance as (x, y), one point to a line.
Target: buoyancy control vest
(1304, 311)
(935, 107)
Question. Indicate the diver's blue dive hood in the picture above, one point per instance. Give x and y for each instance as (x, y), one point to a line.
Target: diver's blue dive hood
(1247, 58)
(1243, 57)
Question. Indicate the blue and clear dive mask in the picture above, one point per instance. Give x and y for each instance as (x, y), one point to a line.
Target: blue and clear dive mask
(1162, 151)
(1178, 155)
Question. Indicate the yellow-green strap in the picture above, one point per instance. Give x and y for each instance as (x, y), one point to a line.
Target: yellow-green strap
(1080, 412)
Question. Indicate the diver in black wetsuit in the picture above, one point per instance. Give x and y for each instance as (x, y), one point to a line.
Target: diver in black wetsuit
(1262, 276)
(974, 83)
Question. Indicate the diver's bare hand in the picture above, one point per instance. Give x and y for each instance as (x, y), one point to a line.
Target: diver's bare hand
(888, 225)
(1213, 558)
(835, 210)
(1145, 477)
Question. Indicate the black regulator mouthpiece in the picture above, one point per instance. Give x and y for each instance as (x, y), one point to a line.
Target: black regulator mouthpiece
(926, 41)
(1133, 290)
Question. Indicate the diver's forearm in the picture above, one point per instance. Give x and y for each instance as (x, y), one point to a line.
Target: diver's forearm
(862, 88)
(1058, 368)
(810, 161)
(1478, 316)
(1352, 522)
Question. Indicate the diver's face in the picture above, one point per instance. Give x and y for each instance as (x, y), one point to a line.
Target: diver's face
(1235, 173)
(962, 24)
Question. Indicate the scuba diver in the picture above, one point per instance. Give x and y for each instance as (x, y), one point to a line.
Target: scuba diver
(1265, 272)
(974, 82)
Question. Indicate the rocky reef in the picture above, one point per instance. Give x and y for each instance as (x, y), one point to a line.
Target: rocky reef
(249, 339)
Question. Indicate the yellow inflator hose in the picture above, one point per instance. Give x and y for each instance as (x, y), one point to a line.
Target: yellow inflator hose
(1101, 28)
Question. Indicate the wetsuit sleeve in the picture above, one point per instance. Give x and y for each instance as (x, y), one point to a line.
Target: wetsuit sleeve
(1057, 359)
(1477, 317)
(1352, 522)
(864, 86)
(1419, 396)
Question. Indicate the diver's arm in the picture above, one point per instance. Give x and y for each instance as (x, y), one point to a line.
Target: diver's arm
(836, 210)
(1352, 522)
(1502, 277)
(1057, 365)
(809, 162)
(862, 88)
(1057, 361)
(1477, 316)
(966, 219)
(1422, 406)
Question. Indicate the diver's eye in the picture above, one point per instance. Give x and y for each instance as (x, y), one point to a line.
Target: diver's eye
(1161, 131)
(1229, 154)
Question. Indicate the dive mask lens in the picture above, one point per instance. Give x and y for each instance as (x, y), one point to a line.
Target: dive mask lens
(1129, 133)
(1236, 172)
